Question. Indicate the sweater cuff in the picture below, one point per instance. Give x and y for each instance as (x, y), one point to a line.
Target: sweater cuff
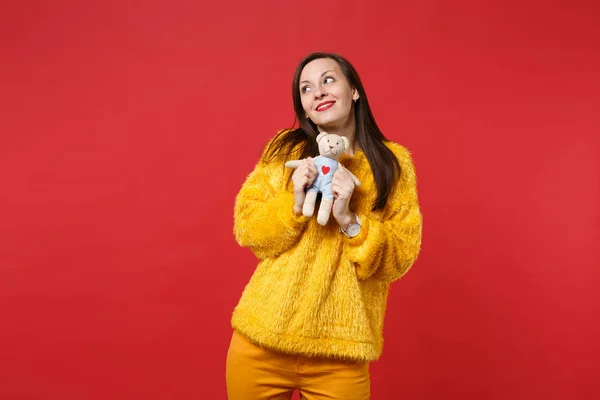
(365, 249)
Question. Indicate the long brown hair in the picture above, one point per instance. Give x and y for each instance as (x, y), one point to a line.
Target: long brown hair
(384, 164)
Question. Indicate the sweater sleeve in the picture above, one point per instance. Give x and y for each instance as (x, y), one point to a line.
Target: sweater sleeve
(386, 249)
(264, 220)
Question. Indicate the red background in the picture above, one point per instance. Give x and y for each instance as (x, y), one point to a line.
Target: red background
(127, 128)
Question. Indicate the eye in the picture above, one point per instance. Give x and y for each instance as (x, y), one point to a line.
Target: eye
(304, 89)
(328, 79)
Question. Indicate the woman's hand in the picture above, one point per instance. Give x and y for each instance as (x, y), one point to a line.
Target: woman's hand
(302, 178)
(342, 186)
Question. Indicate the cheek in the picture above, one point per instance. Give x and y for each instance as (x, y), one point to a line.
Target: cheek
(305, 105)
(342, 97)
(342, 92)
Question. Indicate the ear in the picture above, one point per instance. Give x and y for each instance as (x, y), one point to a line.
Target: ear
(321, 136)
(346, 142)
(355, 95)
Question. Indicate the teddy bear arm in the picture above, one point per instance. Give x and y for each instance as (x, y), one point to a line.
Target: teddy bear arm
(293, 163)
(354, 178)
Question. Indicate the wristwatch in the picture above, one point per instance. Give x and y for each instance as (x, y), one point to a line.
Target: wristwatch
(353, 228)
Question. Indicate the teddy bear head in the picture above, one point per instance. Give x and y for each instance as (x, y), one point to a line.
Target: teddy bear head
(331, 145)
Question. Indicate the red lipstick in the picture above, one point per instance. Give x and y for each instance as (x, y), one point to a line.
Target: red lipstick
(325, 105)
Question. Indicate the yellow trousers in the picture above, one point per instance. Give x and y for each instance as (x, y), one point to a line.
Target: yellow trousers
(255, 373)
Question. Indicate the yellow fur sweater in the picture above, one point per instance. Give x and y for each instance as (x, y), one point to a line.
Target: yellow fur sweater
(316, 292)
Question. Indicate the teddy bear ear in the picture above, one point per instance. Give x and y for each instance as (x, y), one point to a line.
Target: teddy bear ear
(346, 142)
(321, 136)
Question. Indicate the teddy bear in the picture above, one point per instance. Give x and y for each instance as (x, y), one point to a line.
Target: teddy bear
(331, 147)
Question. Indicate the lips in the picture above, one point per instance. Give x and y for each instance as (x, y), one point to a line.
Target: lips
(325, 105)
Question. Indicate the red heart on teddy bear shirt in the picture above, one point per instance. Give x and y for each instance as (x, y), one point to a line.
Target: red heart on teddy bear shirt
(325, 169)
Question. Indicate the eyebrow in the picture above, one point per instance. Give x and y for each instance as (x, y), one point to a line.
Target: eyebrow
(329, 70)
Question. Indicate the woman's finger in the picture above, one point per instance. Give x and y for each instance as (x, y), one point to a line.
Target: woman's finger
(339, 191)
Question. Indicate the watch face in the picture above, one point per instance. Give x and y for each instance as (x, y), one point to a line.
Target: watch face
(353, 230)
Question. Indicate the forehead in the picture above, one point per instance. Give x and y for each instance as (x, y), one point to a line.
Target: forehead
(313, 70)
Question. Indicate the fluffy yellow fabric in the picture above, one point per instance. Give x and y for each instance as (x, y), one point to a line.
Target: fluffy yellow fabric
(316, 292)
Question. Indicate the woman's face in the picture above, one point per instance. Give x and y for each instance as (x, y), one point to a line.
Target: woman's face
(326, 95)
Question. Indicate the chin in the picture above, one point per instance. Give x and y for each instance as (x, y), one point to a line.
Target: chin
(329, 122)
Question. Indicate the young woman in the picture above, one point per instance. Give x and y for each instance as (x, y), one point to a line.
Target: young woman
(311, 317)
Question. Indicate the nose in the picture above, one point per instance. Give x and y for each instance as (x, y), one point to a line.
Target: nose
(319, 92)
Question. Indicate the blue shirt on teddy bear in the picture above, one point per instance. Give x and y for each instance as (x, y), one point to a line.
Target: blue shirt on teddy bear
(326, 167)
